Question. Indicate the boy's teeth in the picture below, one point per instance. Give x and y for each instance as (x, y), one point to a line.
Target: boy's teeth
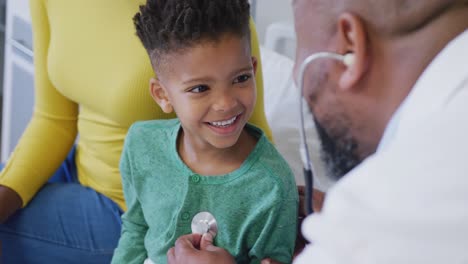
(225, 122)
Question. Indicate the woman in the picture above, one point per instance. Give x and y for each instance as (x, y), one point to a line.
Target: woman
(92, 79)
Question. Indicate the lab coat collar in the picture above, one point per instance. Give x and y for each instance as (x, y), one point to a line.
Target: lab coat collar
(434, 88)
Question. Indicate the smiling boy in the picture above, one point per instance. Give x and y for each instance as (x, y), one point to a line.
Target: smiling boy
(209, 159)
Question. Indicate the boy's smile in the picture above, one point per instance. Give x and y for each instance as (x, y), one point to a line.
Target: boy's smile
(211, 87)
(226, 126)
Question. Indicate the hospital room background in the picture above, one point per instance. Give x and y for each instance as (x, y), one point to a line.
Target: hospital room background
(274, 23)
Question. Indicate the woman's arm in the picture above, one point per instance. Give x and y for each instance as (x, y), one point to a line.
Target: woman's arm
(52, 130)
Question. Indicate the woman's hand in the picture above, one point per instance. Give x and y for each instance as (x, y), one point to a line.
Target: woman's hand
(10, 201)
(197, 249)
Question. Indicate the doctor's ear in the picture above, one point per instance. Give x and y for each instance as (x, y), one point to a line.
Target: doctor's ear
(160, 96)
(353, 44)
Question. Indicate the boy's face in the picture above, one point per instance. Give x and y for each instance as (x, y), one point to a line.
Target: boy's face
(211, 88)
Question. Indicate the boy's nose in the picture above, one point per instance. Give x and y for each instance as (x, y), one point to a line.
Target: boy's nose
(225, 103)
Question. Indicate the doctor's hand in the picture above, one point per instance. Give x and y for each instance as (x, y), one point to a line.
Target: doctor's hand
(195, 249)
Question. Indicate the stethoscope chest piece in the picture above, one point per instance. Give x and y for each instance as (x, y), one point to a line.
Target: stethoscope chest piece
(204, 222)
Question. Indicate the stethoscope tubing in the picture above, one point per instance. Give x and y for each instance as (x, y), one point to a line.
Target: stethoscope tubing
(304, 148)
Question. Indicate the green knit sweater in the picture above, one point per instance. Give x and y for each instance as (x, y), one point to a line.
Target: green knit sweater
(255, 206)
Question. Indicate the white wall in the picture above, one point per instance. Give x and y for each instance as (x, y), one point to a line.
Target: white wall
(273, 11)
(269, 11)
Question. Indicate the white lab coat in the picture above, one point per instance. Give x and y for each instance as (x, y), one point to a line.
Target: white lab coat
(408, 203)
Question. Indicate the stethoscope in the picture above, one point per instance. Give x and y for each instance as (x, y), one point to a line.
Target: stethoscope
(347, 60)
(204, 222)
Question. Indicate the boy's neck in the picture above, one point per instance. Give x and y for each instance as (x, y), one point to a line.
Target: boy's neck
(214, 161)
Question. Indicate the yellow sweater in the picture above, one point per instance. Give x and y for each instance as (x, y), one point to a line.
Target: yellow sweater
(91, 81)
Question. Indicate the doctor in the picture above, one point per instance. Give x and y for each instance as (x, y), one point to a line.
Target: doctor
(394, 127)
(395, 123)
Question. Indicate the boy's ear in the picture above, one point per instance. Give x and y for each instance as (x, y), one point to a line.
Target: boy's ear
(159, 94)
(254, 64)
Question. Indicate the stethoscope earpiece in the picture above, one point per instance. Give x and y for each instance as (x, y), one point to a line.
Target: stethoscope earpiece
(348, 59)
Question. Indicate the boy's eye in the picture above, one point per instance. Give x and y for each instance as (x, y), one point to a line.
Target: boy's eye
(242, 78)
(199, 89)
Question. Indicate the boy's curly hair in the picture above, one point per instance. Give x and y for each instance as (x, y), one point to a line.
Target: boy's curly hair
(172, 25)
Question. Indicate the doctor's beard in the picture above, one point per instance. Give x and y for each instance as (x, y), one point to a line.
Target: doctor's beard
(338, 150)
